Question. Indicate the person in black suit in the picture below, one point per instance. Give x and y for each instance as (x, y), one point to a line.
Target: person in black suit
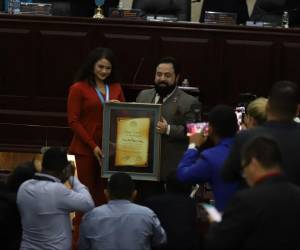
(233, 6)
(177, 214)
(265, 216)
(282, 107)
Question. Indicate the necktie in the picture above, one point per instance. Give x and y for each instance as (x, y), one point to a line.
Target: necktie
(160, 100)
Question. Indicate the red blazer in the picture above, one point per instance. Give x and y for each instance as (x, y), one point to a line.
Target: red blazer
(85, 115)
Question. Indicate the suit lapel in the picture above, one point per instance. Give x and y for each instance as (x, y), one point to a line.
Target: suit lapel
(151, 96)
(173, 98)
(170, 105)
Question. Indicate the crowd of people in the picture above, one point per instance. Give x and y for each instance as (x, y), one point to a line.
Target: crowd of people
(254, 174)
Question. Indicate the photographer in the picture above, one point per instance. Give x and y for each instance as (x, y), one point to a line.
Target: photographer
(205, 166)
(45, 203)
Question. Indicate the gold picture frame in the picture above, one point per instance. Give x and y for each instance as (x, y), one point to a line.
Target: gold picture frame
(130, 143)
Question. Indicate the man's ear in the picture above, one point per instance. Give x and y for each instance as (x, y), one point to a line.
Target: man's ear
(63, 176)
(106, 193)
(177, 78)
(210, 130)
(267, 108)
(134, 194)
(298, 110)
(255, 162)
(251, 121)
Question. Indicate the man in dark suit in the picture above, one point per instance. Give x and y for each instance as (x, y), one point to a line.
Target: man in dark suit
(176, 112)
(281, 109)
(233, 6)
(265, 216)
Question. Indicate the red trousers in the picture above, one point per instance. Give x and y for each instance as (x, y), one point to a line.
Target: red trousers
(89, 174)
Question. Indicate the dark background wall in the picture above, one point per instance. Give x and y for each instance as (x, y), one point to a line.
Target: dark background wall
(39, 56)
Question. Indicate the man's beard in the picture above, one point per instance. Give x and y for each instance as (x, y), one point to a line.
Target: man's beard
(163, 89)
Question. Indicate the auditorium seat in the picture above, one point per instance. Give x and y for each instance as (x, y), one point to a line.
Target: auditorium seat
(271, 11)
(177, 9)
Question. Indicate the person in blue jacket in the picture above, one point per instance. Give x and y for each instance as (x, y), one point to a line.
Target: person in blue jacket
(204, 166)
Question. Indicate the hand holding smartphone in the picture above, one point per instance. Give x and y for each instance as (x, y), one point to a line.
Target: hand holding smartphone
(193, 128)
(213, 214)
(240, 114)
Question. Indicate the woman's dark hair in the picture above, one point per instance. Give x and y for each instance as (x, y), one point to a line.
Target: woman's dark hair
(86, 71)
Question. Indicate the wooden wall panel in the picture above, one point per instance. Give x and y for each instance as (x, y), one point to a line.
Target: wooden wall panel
(31, 138)
(289, 67)
(196, 57)
(40, 55)
(135, 53)
(61, 54)
(15, 56)
(247, 67)
(9, 160)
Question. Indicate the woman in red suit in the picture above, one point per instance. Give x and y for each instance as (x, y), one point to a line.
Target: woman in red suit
(96, 83)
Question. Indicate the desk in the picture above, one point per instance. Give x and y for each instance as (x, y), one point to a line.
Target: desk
(39, 56)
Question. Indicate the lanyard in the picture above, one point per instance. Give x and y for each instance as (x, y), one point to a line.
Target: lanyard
(101, 96)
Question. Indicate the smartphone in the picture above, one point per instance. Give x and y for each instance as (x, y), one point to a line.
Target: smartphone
(193, 128)
(212, 212)
(240, 114)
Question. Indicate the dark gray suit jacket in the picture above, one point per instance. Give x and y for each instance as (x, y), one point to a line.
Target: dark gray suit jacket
(264, 217)
(286, 134)
(177, 112)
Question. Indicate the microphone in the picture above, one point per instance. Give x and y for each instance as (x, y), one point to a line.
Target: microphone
(196, 109)
(138, 70)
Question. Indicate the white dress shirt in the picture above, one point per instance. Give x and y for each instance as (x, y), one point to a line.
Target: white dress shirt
(120, 225)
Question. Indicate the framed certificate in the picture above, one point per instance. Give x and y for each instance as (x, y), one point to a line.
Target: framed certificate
(130, 142)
